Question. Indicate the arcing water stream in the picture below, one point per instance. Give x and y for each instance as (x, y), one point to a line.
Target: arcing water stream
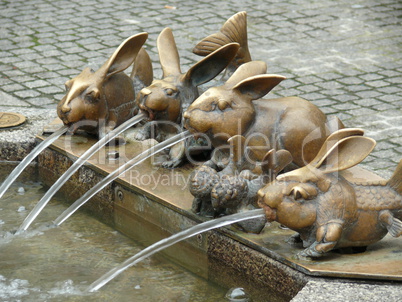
(162, 244)
(58, 264)
(75, 166)
(29, 158)
(112, 176)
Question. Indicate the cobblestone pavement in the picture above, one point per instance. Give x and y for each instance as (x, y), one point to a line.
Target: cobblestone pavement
(345, 56)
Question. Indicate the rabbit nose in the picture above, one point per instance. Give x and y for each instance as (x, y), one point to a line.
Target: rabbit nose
(186, 115)
(145, 91)
(65, 108)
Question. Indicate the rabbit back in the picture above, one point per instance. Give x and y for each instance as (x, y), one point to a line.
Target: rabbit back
(376, 197)
(293, 124)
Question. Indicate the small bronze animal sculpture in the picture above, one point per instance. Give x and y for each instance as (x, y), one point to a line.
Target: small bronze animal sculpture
(327, 211)
(238, 193)
(99, 101)
(240, 188)
(234, 30)
(235, 108)
(234, 189)
(207, 176)
(165, 99)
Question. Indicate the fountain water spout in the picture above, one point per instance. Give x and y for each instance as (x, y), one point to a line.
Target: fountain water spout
(75, 166)
(29, 158)
(119, 171)
(162, 244)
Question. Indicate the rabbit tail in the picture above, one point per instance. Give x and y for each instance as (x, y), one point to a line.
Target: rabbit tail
(234, 30)
(142, 73)
(395, 182)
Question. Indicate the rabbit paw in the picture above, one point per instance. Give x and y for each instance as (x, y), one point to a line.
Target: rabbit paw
(310, 252)
(170, 164)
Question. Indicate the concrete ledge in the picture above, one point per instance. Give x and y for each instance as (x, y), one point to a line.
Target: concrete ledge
(17, 142)
(264, 263)
(150, 215)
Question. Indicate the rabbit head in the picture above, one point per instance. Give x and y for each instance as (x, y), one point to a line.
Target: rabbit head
(92, 94)
(165, 98)
(272, 163)
(224, 111)
(299, 198)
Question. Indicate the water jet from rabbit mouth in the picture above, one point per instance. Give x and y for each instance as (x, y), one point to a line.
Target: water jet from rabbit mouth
(186, 124)
(270, 213)
(196, 134)
(148, 112)
(65, 121)
(72, 127)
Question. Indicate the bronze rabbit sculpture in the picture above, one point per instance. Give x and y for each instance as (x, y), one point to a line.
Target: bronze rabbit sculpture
(327, 211)
(98, 101)
(164, 100)
(235, 108)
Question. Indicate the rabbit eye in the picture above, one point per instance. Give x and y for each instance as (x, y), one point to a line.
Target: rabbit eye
(169, 92)
(93, 96)
(299, 193)
(223, 105)
(303, 191)
(213, 106)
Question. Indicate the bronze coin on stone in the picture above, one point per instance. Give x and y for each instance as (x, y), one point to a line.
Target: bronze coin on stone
(11, 119)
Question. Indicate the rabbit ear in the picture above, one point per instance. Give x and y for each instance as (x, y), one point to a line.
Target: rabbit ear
(210, 66)
(142, 69)
(268, 162)
(345, 154)
(283, 158)
(168, 53)
(124, 55)
(257, 86)
(237, 147)
(333, 139)
(276, 161)
(245, 71)
(257, 152)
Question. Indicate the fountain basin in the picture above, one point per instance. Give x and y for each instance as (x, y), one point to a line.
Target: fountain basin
(150, 204)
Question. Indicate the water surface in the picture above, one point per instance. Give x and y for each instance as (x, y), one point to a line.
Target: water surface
(58, 264)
